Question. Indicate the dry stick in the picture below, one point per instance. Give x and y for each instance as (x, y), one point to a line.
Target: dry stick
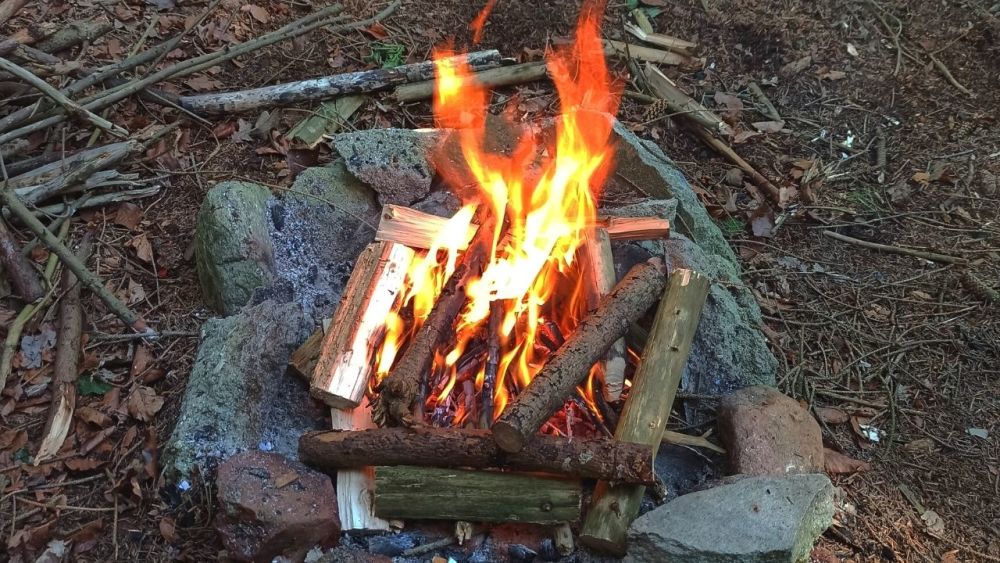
(719, 145)
(680, 103)
(115, 153)
(644, 417)
(74, 34)
(66, 364)
(947, 74)
(674, 44)
(592, 458)
(87, 278)
(492, 78)
(9, 8)
(932, 256)
(53, 170)
(324, 88)
(571, 363)
(492, 363)
(620, 49)
(22, 274)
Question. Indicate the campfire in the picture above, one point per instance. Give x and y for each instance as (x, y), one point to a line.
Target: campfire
(476, 363)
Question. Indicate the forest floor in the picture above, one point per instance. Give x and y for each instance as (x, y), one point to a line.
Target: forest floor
(905, 350)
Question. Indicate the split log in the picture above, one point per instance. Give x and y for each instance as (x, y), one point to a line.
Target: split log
(591, 458)
(325, 88)
(680, 103)
(491, 78)
(571, 363)
(596, 251)
(644, 417)
(624, 50)
(475, 496)
(636, 228)
(667, 41)
(355, 496)
(21, 273)
(344, 367)
(66, 364)
(304, 358)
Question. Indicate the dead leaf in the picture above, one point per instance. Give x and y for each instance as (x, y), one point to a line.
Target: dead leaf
(732, 104)
(135, 292)
(168, 529)
(128, 215)
(202, 83)
(920, 445)
(143, 403)
(143, 249)
(83, 464)
(762, 221)
(934, 522)
(877, 312)
(244, 132)
(140, 360)
(377, 30)
(93, 416)
(830, 415)
(743, 136)
(13, 440)
(795, 67)
(85, 537)
(921, 295)
(833, 75)
(115, 48)
(837, 463)
(258, 13)
(922, 178)
(769, 126)
(224, 129)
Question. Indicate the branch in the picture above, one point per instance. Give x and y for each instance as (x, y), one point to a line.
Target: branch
(932, 256)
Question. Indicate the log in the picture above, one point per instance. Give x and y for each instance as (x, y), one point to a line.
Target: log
(644, 417)
(624, 50)
(475, 496)
(355, 497)
(327, 87)
(304, 358)
(74, 34)
(491, 78)
(18, 268)
(24, 183)
(636, 228)
(344, 367)
(597, 258)
(680, 103)
(571, 363)
(667, 41)
(591, 458)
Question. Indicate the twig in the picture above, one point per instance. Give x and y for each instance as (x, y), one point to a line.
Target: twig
(22, 274)
(947, 74)
(679, 439)
(894, 35)
(932, 256)
(429, 547)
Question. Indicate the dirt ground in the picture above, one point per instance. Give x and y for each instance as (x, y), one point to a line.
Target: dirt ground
(907, 349)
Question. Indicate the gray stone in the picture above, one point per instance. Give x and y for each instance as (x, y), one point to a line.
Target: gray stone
(393, 162)
(753, 520)
(239, 396)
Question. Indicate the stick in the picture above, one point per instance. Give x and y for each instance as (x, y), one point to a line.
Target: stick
(596, 250)
(355, 500)
(623, 50)
(319, 89)
(344, 367)
(680, 103)
(74, 34)
(932, 256)
(947, 74)
(590, 458)
(66, 364)
(9, 8)
(492, 78)
(27, 181)
(672, 43)
(719, 145)
(22, 274)
(769, 110)
(492, 363)
(476, 496)
(87, 278)
(569, 365)
(644, 417)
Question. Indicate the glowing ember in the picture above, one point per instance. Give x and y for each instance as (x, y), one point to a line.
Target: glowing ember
(542, 201)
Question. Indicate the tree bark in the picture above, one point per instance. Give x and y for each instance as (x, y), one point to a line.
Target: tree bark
(22, 275)
(591, 458)
(647, 408)
(571, 363)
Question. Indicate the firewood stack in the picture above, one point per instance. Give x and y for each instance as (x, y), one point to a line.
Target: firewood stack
(392, 461)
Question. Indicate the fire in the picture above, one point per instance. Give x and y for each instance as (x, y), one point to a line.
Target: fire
(542, 202)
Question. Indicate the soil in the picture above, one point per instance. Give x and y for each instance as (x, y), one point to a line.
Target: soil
(907, 348)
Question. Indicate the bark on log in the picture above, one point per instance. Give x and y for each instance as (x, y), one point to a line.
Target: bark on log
(325, 88)
(26, 281)
(344, 367)
(74, 34)
(647, 408)
(492, 78)
(569, 365)
(597, 258)
(592, 458)
(474, 496)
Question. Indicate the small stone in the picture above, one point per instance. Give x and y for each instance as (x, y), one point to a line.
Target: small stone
(518, 552)
(259, 521)
(393, 162)
(734, 177)
(768, 433)
(390, 545)
(753, 520)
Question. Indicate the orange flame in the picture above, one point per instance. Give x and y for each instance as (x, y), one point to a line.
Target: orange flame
(479, 23)
(544, 203)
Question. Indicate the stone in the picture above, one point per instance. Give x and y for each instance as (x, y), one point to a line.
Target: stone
(393, 162)
(239, 396)
(391, 545)
(273, 507)
(768, 433)
(762, 519)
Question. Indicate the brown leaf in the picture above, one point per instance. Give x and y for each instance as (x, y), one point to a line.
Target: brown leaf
(769, 126)
(377, 30)
(93, 416)
(923, 295)
(143, 249)
(168, 529)
(83, 464)
(85, 538)
(795, 67)
(202, 83)
(135, 292)
(743, 136)
(837, 463)
(143, 403)
(922, 178)
(831, 415)
(762, 221)
(224, 129)
(128, 215)
(13, 440)
(140, 360)
(732, 103)
(258, 13)
(833, 75)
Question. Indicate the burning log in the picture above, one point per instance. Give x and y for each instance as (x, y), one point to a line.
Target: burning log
(355, 500)
(647, 408)
(341, 375)
(569, 365)
(492, 78)
(591, 458)
(475, 496)
(597, 255)
(636, 228)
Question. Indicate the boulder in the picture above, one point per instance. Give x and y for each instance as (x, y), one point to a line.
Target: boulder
(768, 433)
(273, 507)
(752, 520)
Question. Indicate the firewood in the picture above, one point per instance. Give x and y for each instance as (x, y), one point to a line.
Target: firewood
(18, 268)
(475, 496)
(680, 103)
(344, 367)
(491, 78)
(636, 228)
(644, 417)
(596, 251)
(74, 33)
(672, 43)
(627, 51)
(569, 365)
(591, 458)
(355, 497)
(304, 358)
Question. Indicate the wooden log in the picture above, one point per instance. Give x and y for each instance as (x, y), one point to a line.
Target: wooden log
(596, 251)
(644, 417)
(355, 487)
(491, 78)
(571, 363)
(304, 358)
(344, 367)
(475, 496)
(669, 42)
(624, 50)
(636, 228)
(592, 458)
(26, 281)
(327, 87)
(74, 34)
(680, 103)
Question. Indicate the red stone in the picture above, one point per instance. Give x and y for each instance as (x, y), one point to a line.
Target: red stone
(768, 433)
(272, 506)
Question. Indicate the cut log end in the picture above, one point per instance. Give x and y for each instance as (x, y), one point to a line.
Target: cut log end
(508, 437)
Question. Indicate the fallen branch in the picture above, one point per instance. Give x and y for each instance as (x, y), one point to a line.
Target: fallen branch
(24, 182)
(680, 103)
(492, 78)
(623, 50)
(759, 179)
(948, 76)
(672, 43)
(931, 256)
(19, 270)
(592, 458)
(73, 34)
(571, 363)
(319, 89)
